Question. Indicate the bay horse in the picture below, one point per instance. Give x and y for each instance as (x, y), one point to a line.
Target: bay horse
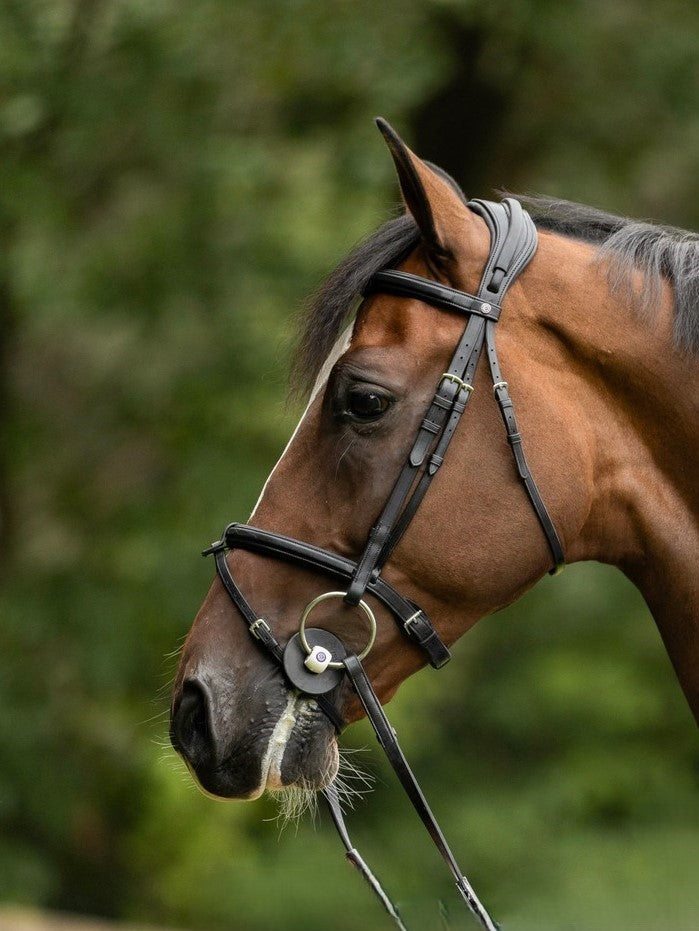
(598, 342)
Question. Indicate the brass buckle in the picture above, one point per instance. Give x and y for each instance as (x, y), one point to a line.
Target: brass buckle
(463, 386)
(259, 623)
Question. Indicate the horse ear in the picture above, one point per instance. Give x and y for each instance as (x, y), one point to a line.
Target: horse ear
(435, 200)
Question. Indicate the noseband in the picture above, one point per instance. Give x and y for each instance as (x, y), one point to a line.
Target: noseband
(314, 660)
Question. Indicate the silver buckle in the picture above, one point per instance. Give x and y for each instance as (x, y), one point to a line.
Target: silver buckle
(411, 620)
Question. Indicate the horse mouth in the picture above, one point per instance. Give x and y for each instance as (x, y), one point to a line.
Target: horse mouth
(300, 752)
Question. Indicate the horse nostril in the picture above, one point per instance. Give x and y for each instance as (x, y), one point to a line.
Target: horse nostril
(190, 727)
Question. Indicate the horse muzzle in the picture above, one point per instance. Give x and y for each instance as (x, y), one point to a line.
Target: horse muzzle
(239, 747)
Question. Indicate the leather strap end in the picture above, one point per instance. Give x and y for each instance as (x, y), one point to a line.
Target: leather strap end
(438, 652)
(520, 460)
(419, 450)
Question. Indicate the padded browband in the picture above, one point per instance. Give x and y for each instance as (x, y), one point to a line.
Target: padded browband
(412, 619)
(403, 284)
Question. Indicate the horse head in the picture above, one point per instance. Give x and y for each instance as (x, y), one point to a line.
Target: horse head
(474, 544)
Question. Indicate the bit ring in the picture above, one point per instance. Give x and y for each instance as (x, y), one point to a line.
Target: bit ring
(365, 608)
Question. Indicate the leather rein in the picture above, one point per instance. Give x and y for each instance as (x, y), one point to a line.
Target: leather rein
(314, 660)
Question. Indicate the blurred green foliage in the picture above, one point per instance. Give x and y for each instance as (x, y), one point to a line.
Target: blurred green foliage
(174, 178)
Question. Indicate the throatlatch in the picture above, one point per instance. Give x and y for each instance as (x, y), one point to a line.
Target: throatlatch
(314, 660)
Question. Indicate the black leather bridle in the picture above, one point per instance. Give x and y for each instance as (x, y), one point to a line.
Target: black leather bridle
(513, 243)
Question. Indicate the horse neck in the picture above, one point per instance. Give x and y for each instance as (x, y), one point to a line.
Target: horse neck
(633, 401)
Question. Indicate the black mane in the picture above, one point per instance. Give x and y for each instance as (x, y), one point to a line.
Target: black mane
(661, 252)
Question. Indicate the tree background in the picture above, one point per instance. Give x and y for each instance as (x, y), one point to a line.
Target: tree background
(174, 179)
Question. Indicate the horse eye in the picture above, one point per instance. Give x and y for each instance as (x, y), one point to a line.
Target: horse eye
(366, 405)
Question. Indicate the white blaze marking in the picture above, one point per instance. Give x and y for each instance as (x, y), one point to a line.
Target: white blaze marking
(335, 353)
(270, 771)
